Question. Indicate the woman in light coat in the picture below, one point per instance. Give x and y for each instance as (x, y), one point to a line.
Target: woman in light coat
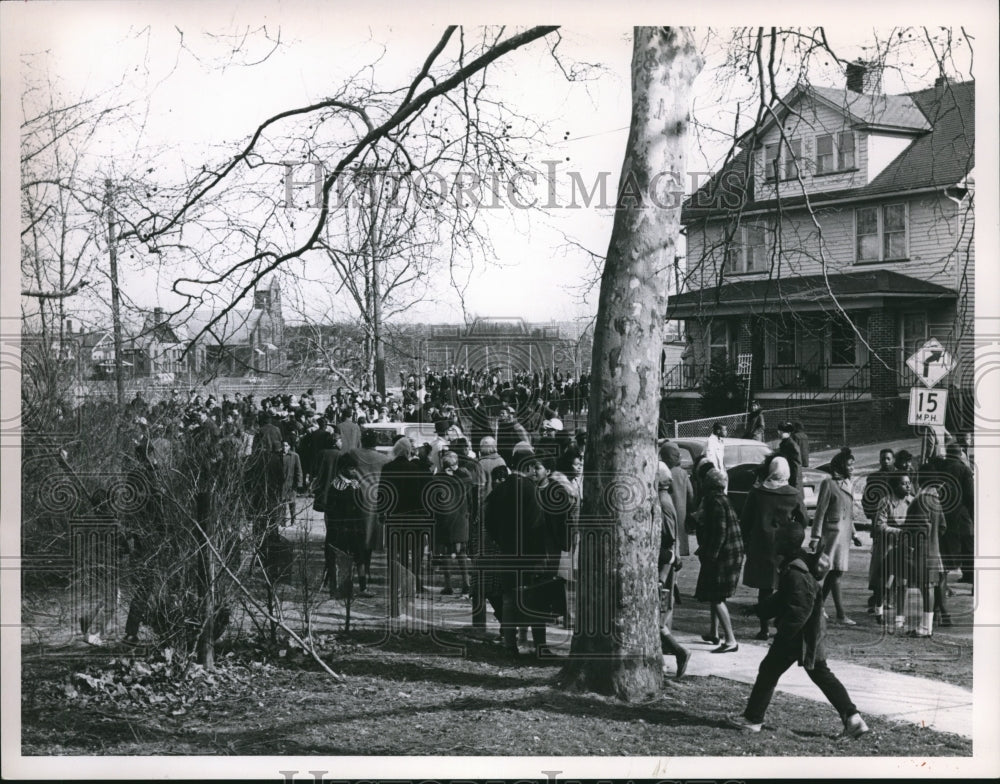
(833, 526)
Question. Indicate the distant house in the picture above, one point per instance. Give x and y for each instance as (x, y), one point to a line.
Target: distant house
(158, 351)
(836, 241)
(244, 342)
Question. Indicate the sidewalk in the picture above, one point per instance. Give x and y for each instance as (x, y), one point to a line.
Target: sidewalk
(933, 704)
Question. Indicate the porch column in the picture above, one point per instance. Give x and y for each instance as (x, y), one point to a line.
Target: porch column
(883, 336)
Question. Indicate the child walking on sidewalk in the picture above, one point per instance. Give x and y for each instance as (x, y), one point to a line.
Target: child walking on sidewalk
(797, 606)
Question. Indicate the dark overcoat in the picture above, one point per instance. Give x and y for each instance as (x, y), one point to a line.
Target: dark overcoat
(764, 512)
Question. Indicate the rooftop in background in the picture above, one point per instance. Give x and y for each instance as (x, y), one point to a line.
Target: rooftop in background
(942, 154)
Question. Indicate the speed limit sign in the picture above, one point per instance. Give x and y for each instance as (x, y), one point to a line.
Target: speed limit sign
(927, 406)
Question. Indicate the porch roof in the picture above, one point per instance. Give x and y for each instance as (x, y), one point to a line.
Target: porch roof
(870, 288)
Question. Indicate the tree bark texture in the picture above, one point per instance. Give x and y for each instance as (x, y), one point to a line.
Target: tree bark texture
(616, 645)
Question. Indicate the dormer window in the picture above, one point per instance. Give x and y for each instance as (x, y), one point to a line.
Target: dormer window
(771, 162)
(781, 160)
(834, 152)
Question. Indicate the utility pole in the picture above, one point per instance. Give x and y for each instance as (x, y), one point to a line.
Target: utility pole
(115, 299)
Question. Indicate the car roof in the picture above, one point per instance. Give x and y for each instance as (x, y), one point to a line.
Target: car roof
(702, 440)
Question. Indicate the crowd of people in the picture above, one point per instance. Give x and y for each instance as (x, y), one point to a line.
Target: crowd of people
(503, 478)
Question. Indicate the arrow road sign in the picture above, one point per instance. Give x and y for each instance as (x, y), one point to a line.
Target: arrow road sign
(931, 362)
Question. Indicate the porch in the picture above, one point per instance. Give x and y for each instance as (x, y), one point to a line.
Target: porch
(790, 339)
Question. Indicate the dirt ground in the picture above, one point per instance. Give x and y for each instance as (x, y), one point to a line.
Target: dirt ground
(408, 699)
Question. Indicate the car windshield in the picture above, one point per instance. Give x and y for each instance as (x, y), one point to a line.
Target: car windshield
(741, 454)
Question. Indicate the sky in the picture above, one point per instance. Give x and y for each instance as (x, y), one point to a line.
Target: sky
(190, 66)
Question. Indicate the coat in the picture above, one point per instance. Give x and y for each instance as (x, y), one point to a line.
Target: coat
(720, 550)
(797, 607)
(682, 494)
(402, 484)
(327, 470)
(449, 496)
(668, 530)
(350, 435)
(344, 518)
(921, 535)
(370, 465)
(959, 514)
(802, 441)
(886, 525)
(292, 475)
(875, 492)
(486, 464)
(833, 523)
(765, 510)
(789, 450)
(513, 520)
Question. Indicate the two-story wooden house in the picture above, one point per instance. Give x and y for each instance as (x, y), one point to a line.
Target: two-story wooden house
(836, 240)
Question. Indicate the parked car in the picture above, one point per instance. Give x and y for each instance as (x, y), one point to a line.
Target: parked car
(418, 432)
(741, 458)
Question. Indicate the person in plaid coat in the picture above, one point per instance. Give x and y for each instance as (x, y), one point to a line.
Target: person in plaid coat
(720, 552)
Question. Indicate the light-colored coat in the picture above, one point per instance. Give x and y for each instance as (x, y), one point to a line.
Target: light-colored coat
(833, 522)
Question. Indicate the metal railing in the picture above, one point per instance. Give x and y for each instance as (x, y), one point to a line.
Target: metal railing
(683, 376)
(807, 376)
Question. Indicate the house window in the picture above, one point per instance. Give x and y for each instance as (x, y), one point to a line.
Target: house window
(792, 159)
(771, 162)
(718, 342)
(835, 152)
(824, 154)
(845, 150)
(781, 160)
(880, 232)
(843, 343)
(894, 231)
(784, 345)
(748, 251)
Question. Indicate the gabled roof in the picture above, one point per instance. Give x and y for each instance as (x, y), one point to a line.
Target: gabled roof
(233, 329)
(93, 339)
(888, 113)
(744, 294)
(940, 158)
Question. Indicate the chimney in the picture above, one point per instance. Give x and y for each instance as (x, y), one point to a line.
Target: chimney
(864, 77)
(157, 316)
(942, 81)
(69, 326)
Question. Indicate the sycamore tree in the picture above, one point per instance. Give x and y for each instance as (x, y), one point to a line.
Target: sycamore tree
(616, 647)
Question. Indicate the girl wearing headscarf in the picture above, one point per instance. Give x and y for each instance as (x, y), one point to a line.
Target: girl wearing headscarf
(769, 505)
(720, 551)
(833, 526)
(345, 527)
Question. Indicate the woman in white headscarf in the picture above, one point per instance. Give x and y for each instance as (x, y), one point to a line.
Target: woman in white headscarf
(769, 505)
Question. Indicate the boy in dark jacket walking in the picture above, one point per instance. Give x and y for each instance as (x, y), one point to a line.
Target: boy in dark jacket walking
(797, 606)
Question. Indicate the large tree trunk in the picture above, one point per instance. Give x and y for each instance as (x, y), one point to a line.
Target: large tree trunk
(616, 646)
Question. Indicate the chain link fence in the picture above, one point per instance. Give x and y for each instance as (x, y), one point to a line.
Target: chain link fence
(827, 424)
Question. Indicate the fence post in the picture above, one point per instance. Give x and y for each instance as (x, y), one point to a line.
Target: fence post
(675, 428)
(843, 421)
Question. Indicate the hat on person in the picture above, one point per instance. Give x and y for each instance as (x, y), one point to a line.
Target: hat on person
(521, 448)
(786, 427)
(552, 424)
